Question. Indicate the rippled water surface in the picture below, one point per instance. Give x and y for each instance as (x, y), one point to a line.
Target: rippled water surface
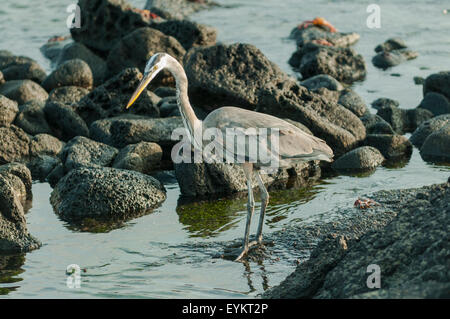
(164, 254)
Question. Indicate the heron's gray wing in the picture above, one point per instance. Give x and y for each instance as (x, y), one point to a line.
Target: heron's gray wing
(293, 142)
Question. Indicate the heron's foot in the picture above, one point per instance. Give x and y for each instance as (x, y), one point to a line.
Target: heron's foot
(243, 253)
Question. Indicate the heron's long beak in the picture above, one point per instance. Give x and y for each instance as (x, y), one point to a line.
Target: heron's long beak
(145, 81)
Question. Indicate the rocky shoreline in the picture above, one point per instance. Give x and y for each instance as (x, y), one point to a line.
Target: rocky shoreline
(70, 127)
(407, 236)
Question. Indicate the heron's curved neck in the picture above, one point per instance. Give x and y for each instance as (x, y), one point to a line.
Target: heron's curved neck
(190, 119)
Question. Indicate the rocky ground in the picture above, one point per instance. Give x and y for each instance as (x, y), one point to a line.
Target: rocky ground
(70, 127)
(407, 236)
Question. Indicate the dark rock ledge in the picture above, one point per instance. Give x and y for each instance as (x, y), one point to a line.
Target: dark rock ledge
(407, 236)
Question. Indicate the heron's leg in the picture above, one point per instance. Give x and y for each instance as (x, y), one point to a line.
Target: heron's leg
(248, 170)
(264, 202)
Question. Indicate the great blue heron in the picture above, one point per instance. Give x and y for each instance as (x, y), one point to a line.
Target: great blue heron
(294, 145)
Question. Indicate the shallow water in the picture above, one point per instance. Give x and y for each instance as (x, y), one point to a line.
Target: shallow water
(164, 254)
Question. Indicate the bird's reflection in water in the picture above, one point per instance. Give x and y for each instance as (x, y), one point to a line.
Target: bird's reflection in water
(210, 217)
(248, 273)
(10, 268)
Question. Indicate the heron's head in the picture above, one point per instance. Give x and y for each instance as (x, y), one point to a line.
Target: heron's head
(154, 65)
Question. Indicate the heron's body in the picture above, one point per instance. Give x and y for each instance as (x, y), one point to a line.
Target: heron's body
(293, 144)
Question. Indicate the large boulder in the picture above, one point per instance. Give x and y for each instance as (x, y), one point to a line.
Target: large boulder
(8, 111)
(188, 33)
(359, 159)
(223, 75)
(203, 179)
(111, 98)
(15, 192)
(105, 193)
(136, 48)
(425, 129)
(439, 83)
(436, 147)
(31, 118)
(393, 147)
(64, 121)
(411, 252)
(344, 64)
(14, 145)
(74, 72)
(77, 50)
(23, 91)
(124, 130)
(105, 22)
(435, 103)
(339, 127)
(83, 152)
(143, 157)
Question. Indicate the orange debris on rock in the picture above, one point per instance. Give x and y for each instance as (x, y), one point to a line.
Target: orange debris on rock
(319, 21)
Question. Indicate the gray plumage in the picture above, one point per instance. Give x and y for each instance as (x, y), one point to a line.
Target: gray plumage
(294, 145)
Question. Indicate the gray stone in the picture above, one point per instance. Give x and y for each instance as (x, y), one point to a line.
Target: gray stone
(339, 127)
(338, 39)
(14, 145)
(203, 179)
(74, 72)
(105, 193)
(64, 121)
(411, 250)
(68, 95)
(428, 127)
(361, 158)
(105, 22)
(31, 118)
(391, 44)
(387, 59)
(23, 91)
(384, 102)
(143, 157)
(83, 152)
(392, 147)
(439, 83)
(14, 235)
(235, 73)
(435, 103)
(352, 101)
(8, 111)
(322, 80)
(376, 125)
(77, 50)
(179, 9)
(436, 147)
(343, 64)
(31, 71)
(126, 54)
(45, 145)
(188, 33)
